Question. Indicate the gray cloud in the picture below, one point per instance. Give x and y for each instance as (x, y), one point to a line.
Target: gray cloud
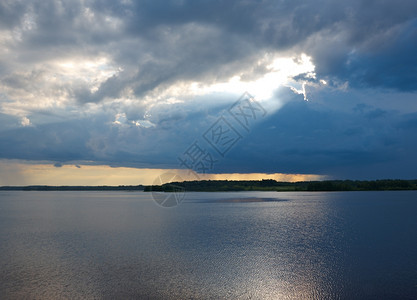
(159, 42)
(126, 55)
(362, 142)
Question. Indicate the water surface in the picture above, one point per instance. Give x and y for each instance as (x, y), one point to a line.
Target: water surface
(246, 245)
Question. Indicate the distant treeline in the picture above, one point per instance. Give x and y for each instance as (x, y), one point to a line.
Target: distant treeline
(73, 188)
(272, 185)
(239, 185)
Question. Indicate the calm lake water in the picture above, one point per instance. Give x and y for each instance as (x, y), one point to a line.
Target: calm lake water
(335, 245)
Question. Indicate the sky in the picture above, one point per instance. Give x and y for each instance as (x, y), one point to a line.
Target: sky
(119, 92)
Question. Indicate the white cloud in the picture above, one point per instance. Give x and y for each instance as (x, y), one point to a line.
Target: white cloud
(25, 121)
(144, 123)
(279, 72)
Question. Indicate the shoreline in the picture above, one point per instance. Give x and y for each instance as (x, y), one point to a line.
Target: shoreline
(241, 186)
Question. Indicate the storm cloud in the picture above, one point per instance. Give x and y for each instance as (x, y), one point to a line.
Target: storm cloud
(133, 83)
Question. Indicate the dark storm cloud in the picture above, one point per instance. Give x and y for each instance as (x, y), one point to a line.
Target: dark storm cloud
(368, 43)
(11, 13)
(100, 141)
(303, 137)
(154, 45)
(159, 42)
(385, 61)
(362, 142)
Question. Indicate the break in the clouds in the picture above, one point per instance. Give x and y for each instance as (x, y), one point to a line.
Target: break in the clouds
(133, 83)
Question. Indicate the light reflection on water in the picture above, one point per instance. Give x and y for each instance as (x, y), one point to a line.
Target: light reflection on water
(267, 246)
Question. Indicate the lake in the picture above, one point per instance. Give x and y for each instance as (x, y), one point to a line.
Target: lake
(236, 245)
